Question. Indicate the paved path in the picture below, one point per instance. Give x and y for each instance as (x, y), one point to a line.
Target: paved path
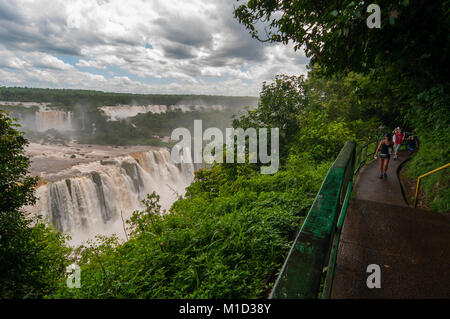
(411, 246)
(370, 187)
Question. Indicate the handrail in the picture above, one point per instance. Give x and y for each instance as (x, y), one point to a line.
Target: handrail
(315, 246)
(333, 256)
(360, 162)
(302, 271)
(425, 175)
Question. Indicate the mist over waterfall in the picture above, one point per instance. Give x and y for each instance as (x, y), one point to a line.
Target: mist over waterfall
(52, 119)
(91, 203)
(115, 113)
(39, 117)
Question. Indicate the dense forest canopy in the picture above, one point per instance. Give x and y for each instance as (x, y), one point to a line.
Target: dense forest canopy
(413, 34)
(67, 97)
(407, 58)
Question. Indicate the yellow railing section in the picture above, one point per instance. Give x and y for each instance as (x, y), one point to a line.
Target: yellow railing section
(424, 175)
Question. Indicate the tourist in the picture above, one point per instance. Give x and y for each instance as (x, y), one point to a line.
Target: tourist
(399, 136)
(393, 134)
(412, 143)
(385, 148)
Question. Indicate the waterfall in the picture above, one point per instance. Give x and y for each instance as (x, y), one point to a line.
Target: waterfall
(91, 203)
(116, 113)
(52, 119)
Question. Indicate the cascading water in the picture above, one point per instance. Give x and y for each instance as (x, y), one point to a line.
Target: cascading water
(91, 203)
(115, 113)
(41, 120)
(52, 119)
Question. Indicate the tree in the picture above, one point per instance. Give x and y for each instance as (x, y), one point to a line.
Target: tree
(32, 255)
(413, 34)
(280, 103)
(406, 59)
(16, 187)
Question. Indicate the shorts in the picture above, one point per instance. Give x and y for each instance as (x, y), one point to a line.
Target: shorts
(396, 147)
(382, 155)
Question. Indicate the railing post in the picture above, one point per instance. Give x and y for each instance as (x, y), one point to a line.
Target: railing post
(417, 191)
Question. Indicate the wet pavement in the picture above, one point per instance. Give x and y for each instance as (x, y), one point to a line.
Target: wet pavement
(411, 246)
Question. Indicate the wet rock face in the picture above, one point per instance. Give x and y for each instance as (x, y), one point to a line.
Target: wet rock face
(109, 162)
(106, 212)
(56, 209)
(132, 170)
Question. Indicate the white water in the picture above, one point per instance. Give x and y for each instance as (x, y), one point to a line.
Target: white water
(52, 119)
(91, 203)
(115, 113)
(44, 119)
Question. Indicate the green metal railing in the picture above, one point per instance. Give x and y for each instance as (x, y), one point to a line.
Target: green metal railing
(337, 235)
(315, 247)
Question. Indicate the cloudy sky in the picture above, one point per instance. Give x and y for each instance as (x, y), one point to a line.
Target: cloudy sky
(138, 46)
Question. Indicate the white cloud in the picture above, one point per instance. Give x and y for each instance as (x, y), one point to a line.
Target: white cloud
(46, 61)
(139, 46)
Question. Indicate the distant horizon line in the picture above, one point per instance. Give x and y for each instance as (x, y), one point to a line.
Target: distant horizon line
(126, 93)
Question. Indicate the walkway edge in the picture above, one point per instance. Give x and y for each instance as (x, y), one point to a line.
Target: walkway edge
(402, 187)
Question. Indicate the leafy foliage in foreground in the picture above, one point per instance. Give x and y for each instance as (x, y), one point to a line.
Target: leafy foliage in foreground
(437, 186)
(32, 255)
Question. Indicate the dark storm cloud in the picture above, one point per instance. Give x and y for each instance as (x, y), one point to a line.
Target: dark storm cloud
(187, 31)
(44, 35)
(238, 45)
(176, 51)
(8, 12)
(242, 50)
(235, 51)
(19, 38)
(47, 33)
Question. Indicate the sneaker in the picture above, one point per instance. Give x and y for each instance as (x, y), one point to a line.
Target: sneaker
(381, 176)
(385, 175)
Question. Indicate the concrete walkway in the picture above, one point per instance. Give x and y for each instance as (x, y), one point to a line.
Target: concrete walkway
(411, 246)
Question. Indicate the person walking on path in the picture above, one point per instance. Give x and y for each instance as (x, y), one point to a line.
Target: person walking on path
(399, 136)
(412, 143)
(393, 134)
(385, 149)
